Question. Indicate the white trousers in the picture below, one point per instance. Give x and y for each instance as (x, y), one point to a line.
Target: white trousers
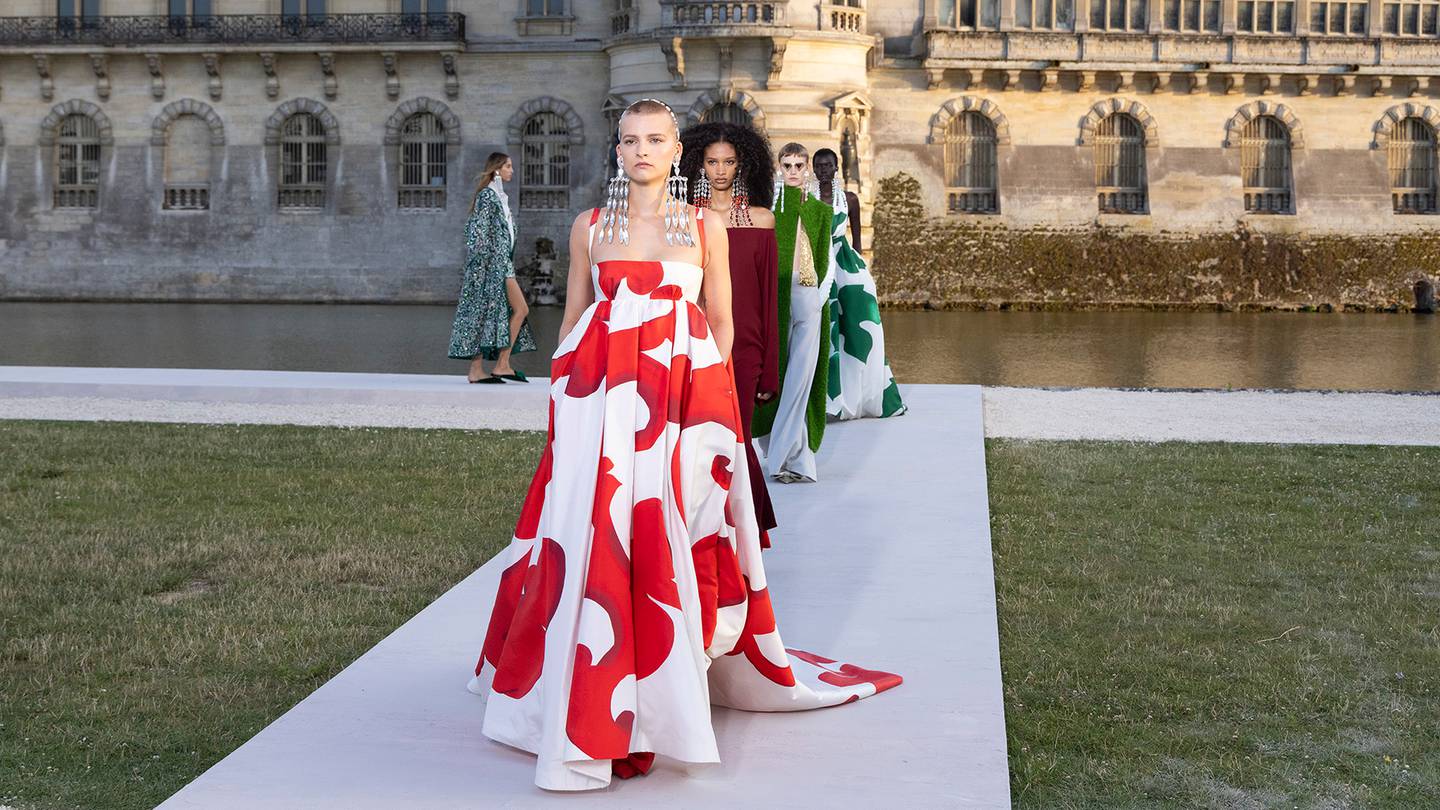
(787, 448)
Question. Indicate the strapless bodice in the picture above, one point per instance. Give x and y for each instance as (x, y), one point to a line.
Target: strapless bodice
(629, 279)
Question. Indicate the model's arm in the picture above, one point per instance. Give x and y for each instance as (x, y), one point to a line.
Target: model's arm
(854, 204)
(578, 291)
(716, 289)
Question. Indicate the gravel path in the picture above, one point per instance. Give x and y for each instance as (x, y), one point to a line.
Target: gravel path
(445, 401)
(1222, 416)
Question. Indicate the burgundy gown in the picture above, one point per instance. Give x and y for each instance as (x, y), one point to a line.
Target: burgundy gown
(756, 359)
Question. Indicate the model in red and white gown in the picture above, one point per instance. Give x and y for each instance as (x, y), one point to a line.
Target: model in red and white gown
(633, 596)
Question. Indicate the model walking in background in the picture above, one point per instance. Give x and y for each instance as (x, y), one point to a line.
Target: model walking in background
(859, 379)
(729, 171)
(490, 318)
(791, 427)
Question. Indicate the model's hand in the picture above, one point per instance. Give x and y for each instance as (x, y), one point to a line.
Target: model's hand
(764, 396)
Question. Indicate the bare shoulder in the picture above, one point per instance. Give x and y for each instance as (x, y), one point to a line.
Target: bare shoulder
(762, 217)
(714, 226)
(582, 221)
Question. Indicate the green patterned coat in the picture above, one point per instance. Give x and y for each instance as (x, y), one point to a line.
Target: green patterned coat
(482, 317)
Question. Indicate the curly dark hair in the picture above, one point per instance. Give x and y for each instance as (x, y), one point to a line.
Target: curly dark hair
(757, 169)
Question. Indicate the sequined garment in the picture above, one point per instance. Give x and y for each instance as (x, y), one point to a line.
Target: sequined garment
(482, 318)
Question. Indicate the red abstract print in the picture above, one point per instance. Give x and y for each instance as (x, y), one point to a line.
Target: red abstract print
(634, 595)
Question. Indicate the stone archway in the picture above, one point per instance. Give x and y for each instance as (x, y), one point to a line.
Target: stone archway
(160, 128)
(710, 98)
(574, 127)
(50, 126)
(963, 104)
(448, 120)
(301, 105)
(1110, 106)
(1385, 124)
(1255, 109)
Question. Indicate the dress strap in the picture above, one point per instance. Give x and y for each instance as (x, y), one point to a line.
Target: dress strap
(590, 236)
(700, 226)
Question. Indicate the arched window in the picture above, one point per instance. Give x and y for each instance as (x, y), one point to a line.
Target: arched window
(77, 163)
(727, 112)
(970, 183)
(1412, 166)
(545, 163)
(302, 163)
(422, 162)
(187, 164)
(850, 153)
(1265, 166)
(1120, 165)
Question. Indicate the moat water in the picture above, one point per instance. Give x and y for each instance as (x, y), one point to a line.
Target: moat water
(1278, 350)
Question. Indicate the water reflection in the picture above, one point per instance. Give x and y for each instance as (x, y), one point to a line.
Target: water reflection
(1120, 349)
(1167, 349)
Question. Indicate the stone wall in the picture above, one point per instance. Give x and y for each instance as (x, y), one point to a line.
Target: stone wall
(361, 247)
(925, 261)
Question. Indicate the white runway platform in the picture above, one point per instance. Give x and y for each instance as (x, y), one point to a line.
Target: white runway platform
(446, 401)
(885, 563)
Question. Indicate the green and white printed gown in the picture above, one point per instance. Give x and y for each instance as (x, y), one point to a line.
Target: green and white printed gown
(859, 381)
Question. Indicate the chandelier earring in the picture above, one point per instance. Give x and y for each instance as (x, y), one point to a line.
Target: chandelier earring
(615, 219)
(838, 200)
(675, 209)
(702, 191)
(812, 185)
(740, 204)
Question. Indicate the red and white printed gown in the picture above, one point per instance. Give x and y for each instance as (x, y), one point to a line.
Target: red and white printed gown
(633, 595)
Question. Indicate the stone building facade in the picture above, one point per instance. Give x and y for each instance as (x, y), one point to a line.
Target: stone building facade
(328, 149)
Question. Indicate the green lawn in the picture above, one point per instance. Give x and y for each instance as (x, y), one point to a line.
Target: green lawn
(1181, 625)
(1219, 625)
(168, 590)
